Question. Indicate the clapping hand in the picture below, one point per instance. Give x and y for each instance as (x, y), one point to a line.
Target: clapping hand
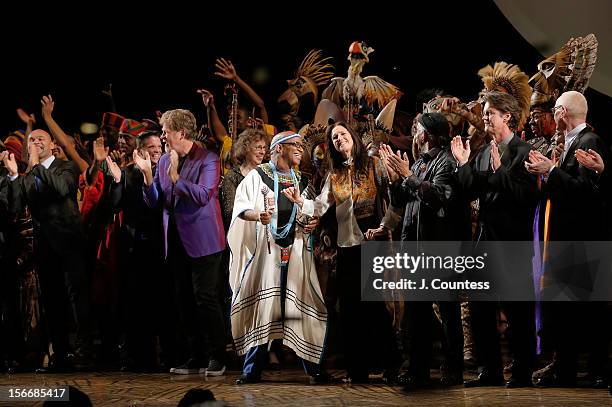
(143, 163)
(590, 159)
(538, 163)
(114, 169)
(173, 167)
(10, 163)
(99, 150)
(460, 151)
(495, 156)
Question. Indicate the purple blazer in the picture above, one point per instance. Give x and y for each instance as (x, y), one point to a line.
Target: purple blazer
(196, 202)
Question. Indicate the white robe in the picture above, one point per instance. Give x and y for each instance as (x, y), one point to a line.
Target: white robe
(255, 281)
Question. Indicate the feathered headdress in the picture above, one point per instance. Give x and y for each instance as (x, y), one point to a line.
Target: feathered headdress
(315, 67)
(569, 69)
(314, 71)
(508, 78)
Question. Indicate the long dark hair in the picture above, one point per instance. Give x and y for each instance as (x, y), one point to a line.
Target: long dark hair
(359, 152)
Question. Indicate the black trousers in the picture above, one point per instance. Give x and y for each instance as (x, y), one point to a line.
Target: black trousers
(197, 282)
(12, 346)
(419, 319)
(521, 336)
(143, 298)
(64, 290)
(578, 326)
(367, 330)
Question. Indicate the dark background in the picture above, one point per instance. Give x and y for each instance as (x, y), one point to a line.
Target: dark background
(155, 58)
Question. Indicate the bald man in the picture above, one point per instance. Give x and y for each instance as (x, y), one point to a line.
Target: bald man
(49, 191)
(576, 214)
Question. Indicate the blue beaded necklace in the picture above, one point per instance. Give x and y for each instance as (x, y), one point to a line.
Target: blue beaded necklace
(284, 231)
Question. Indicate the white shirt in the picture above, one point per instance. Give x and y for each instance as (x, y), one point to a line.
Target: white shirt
(570, 137)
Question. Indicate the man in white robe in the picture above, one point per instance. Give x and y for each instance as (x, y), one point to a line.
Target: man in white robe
(276, 293)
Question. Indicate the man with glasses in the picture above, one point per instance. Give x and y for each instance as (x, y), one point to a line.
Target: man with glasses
(576, 215)
(276, 293)
(543, 127)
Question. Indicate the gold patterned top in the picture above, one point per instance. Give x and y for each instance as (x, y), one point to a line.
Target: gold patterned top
(361, 187)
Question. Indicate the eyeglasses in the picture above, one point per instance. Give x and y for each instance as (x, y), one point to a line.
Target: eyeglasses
(555, 108)
(299, 146)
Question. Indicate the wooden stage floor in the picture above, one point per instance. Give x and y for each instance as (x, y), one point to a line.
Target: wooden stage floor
(291, 388)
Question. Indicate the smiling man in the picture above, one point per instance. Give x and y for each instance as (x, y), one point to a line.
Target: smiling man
(507, 195)
(49, 191)
(186, 185)
(276, 293)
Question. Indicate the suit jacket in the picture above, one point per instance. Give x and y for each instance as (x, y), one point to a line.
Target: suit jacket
(507, 196)
(52, 203)
(196, 207)
(574, 191)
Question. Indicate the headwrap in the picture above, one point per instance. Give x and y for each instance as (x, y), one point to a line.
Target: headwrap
(113, 120)
(282, 138)
(131, 128)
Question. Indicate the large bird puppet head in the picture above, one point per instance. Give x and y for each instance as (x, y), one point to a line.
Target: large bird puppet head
(358, 53)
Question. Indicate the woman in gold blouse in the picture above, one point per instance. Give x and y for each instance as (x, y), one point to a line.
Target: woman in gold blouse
(357, 186)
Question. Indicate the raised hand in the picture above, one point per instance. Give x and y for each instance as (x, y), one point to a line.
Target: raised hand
(114, 169)
(590, 159)
(26, 118)
(8, 159)
(225, 69)
(256, 123)
(48, 104)
(207, 97)
(100, 152)
(460, 152)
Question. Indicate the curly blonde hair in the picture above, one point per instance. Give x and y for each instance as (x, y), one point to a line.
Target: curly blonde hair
(245, 140)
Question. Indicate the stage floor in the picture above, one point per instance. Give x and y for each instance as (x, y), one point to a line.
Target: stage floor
(291, 388)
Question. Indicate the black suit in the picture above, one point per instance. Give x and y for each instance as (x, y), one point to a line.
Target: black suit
(50, 195)
(507, 198)
(577, 208)
(577, 214)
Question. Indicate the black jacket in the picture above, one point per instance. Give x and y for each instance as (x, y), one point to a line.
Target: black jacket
(53, 203)
(575, 194)
(433, 203)
(507, 196)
